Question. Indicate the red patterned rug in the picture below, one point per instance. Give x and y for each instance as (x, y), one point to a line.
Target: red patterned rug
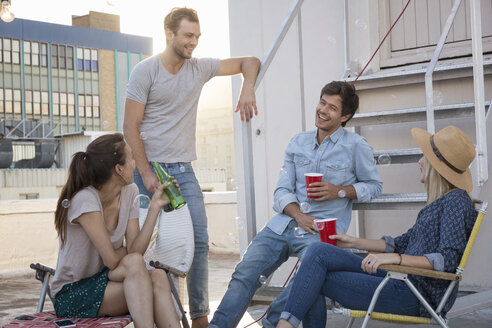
(46, 319)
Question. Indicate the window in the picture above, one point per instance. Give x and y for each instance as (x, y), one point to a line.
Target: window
(54, 56)
(7, 58)
(94, 60)
(87, 60)
(15, 51)
(95, 106)
(63, 104)
(17, 102)
(56, 104)
(35, 54)
(28, 102)
(37, 102)
(8, 101)
(69, 57)
(29, 196)
(71, 104)
(81, 106)
(80, 59)
(45, 104)
(27, 53)
(87, 65)
(44, 55)
(1, 52)
(88, 106)
(62, 57)
(1, 101)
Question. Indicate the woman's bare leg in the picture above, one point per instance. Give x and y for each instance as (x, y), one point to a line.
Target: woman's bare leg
(284, 324)
(136, 287)
(114, 302)
(164, 311)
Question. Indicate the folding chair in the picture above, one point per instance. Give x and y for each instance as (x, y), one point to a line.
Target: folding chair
(401, 272)
(46, 319)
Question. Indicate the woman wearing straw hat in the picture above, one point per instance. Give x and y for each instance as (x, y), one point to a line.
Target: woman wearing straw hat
(436, 241)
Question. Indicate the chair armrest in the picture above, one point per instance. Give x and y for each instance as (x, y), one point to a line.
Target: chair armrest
(167, 268)
(421, 272)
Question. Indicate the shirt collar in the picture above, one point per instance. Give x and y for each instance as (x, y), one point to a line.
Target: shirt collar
(334, 137)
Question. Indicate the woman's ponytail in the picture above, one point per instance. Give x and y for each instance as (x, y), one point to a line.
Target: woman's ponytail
(78, 179)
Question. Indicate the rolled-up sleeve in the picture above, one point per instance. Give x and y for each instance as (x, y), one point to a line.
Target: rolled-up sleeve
(437, 261)
(390, 244)
(369, 184)
(285, 193)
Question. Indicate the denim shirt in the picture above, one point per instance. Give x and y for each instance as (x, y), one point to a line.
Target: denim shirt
(344, 158)
(440, 234)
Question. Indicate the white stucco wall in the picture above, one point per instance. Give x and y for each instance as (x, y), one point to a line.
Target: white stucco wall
(27, 233)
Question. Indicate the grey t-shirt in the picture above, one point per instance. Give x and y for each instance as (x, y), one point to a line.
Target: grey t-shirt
(168, 126)
(79, 258)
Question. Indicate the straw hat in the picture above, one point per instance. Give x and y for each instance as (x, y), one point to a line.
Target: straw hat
(450, 152)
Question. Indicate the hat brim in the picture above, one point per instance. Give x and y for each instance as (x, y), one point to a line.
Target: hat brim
(460, 180)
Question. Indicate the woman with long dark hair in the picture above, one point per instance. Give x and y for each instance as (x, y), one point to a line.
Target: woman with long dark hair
(436, 241)
(100, 269)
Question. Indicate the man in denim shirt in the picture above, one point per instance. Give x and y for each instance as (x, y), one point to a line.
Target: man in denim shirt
(349, 172)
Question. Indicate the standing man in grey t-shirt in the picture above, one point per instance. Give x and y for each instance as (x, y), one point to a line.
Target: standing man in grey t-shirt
(160, 125)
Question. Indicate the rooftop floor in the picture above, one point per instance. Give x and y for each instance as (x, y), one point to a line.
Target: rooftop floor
(19, 295)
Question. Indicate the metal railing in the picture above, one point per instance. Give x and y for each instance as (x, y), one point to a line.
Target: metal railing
(478, 84)
(247, 142)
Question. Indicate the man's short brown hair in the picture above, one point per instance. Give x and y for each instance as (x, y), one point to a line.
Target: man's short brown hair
(346, 91)
(173, 19)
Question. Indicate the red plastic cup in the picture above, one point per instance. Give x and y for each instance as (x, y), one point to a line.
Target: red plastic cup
(327, 228)
(312, 177)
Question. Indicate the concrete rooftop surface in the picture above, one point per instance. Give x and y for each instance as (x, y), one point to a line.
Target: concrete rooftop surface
(19, 294)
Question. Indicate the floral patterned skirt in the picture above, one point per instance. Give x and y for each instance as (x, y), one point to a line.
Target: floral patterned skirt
(82, 299)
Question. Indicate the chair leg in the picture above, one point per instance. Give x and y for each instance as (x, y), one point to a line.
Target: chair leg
(44, 289)
(43, 274)
(178, 301)
(374, 300)
(351, 322)
(422, 300)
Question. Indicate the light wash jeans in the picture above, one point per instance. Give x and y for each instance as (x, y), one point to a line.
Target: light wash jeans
(197, 278)
(330, 271)
(264, 255)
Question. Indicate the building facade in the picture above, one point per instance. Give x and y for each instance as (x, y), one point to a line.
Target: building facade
(58, 80)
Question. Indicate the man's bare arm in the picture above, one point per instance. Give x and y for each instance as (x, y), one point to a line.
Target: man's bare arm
(133, 116)
(249, 67)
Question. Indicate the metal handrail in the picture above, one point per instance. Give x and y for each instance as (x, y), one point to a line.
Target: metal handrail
(267, 60)
(432, 65)
(478, 84)
(246, 133)
(479, 94)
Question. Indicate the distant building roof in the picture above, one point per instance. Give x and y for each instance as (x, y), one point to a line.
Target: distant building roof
(75, 35)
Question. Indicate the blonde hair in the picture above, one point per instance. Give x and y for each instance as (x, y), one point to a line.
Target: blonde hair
(435, 184)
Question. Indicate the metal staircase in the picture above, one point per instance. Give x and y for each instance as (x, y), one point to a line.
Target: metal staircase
(429, 113)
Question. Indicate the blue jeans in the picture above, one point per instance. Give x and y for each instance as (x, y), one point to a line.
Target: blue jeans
(333, 272)
(197, 278)
(264, 255)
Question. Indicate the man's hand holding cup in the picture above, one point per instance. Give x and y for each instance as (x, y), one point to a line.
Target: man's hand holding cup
(319, 190)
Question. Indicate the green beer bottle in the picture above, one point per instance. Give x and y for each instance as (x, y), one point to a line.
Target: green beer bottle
(175, 197)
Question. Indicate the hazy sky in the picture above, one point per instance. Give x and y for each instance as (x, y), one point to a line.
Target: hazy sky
(145, 17)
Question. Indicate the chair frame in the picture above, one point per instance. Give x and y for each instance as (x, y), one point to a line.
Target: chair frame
(44, 274)
(401, 272)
